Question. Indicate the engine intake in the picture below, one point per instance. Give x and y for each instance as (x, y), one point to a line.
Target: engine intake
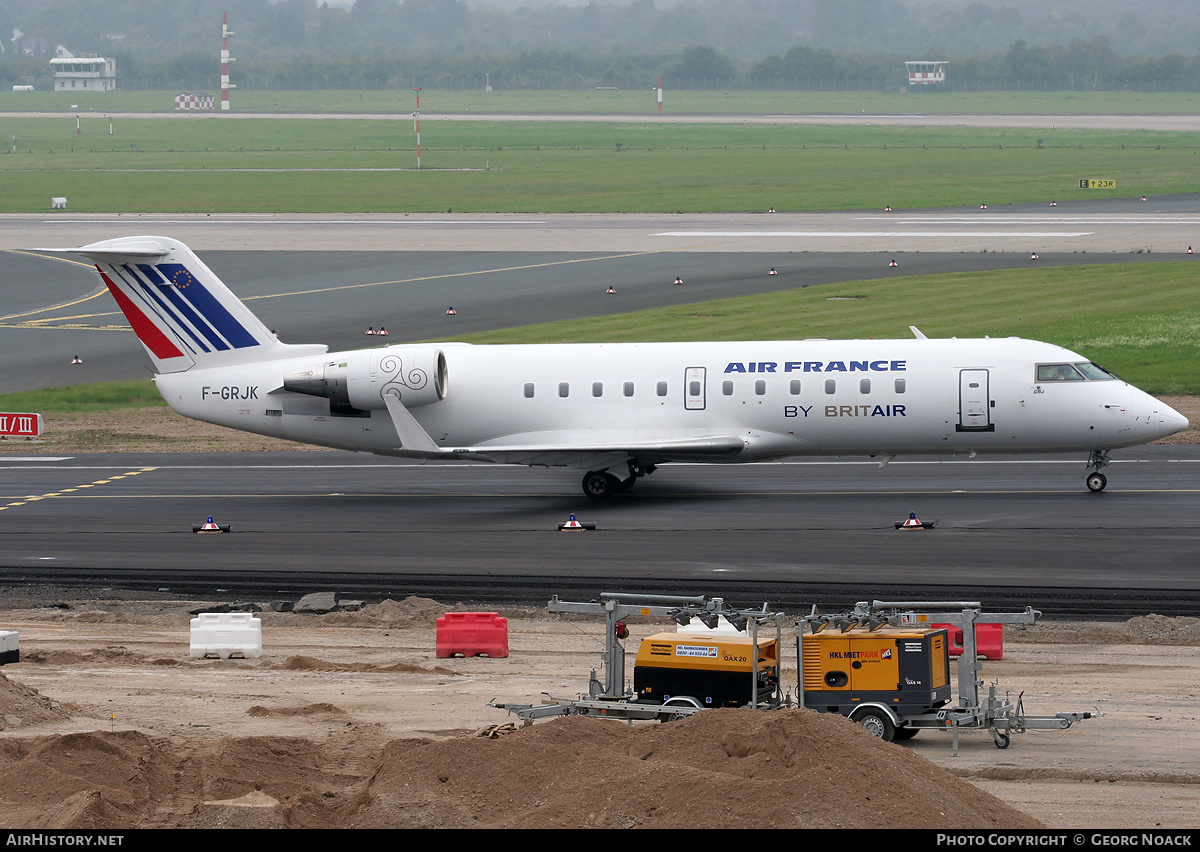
(360, 380)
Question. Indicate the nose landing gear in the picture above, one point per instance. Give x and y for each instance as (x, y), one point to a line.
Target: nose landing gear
(1095, 480)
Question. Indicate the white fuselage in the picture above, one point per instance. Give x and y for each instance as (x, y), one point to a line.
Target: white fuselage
(782, 398)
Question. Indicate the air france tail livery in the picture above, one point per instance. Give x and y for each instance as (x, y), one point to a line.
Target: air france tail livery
(617, 411)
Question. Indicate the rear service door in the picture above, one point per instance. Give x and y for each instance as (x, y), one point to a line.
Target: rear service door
(974, 402)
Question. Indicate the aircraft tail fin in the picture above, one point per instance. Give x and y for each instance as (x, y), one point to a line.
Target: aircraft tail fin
(181, 312)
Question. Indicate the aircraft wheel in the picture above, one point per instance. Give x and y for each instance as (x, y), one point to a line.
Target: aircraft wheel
(1096, 482)
(877, 724)
(599, 484)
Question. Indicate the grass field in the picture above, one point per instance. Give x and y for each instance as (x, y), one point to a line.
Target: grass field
(350, 165)
(1139, 320)
(643, 101)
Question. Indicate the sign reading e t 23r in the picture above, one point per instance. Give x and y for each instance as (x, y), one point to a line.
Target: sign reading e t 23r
(1089, 183)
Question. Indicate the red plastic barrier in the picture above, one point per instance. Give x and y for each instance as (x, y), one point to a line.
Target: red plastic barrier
(989, 640)
(472, 634)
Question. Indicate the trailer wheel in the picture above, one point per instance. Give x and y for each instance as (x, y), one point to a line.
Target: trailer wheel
(674, 715)
(1002, 740)
(906, 733)
(877, 723)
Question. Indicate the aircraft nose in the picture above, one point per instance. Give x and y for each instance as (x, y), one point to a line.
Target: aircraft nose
(1165, 420)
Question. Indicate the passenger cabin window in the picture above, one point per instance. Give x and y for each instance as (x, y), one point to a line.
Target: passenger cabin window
(529, 390)
(661, 389)
(727, 388)
(597, 388)
(901, 385)
(1058, 373)
(795, 387)
(864, 385)
(628, 389)
(760, 387)
(564, 389)
(693, 389)
(830, 386)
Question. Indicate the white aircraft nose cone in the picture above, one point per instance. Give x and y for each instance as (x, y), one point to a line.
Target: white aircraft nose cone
(1165, 420)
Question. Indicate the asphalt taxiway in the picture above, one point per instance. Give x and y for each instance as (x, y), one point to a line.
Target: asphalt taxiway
(1010, 530)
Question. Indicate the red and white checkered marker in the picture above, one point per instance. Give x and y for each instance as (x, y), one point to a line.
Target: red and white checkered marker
(78, 360)
(1033, 255)
(772, 272)
(382, 331)
(611, 290)
(678, 280)
(370, 330)
(893, 264)
(450, 312)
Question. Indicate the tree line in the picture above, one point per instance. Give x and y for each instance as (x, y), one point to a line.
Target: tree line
(1039, 44)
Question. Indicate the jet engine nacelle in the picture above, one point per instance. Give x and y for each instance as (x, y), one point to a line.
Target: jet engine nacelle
(415, 375)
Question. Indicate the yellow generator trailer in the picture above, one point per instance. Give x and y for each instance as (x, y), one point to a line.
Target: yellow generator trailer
(705, 670)
(876, 677)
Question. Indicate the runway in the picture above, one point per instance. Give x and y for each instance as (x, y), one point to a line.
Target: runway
(1011, 530)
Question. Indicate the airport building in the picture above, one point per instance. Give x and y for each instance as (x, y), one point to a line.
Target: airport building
(926, 72)
(83, 73)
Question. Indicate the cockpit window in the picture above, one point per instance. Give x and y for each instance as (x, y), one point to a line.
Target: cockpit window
(1058, 373)
(1094, 371)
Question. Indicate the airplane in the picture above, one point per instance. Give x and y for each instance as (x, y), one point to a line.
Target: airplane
(617, 411)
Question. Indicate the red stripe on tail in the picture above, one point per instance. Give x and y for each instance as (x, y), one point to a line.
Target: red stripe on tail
(150, 334)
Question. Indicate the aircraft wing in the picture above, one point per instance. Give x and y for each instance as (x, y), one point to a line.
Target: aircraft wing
(600, 449)
(601, 453)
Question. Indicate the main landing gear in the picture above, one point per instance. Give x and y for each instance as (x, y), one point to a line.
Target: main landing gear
(1095, 479)
(600, 484)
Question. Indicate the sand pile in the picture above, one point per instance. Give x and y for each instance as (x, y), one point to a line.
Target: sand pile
(718, 769)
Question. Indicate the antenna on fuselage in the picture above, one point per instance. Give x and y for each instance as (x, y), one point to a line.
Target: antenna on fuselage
(917, 333)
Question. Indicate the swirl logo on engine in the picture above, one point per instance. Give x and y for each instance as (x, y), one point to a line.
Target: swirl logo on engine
(393, 367)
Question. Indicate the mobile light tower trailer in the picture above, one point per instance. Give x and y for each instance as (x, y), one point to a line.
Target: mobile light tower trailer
(715, 659)
(884, 667)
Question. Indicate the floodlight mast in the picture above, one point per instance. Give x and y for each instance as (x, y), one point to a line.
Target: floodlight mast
(417, 124)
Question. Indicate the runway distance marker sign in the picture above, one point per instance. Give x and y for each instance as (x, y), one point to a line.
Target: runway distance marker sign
(21, 425)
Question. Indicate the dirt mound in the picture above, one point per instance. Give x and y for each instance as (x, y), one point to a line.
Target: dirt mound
(306, 710)
(410, 612)
(313, 664)
(1150, 629)
(21, 706)
(718, 769)
(87, 780)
